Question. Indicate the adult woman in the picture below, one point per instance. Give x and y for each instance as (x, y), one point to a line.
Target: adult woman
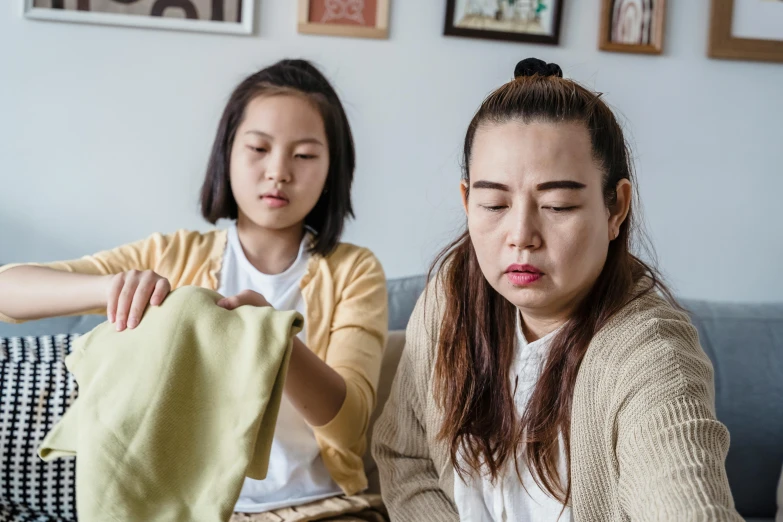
(548, 372)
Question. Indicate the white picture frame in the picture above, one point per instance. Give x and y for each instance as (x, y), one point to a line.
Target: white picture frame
(245, 27)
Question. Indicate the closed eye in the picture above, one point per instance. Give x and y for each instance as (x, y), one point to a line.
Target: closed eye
(495, 208)
(260, 150)
(558, 210)
(306, 156)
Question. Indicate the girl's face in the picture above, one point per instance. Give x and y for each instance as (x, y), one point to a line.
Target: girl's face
(279, 161)
(537, 216)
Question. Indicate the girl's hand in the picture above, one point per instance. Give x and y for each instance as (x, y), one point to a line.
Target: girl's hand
(246, 297)
(129, 293)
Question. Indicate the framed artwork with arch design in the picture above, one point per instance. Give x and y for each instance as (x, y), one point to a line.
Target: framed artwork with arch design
(211, 16)
(632, 26)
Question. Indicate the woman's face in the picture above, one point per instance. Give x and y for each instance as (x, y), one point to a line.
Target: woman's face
(537, 216)
(279, 161)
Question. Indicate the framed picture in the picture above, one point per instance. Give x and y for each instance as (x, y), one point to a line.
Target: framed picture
(211, 16)
(747, 30)
(358, 18)
(632, 26)
(535, 21)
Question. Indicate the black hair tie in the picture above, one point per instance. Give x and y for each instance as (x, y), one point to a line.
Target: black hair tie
(531, 66)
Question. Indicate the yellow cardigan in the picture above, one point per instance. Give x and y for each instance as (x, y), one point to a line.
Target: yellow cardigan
(346, 320)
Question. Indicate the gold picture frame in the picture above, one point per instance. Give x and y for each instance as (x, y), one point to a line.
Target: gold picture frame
(378, 29)
(723, 44)
(655, 30)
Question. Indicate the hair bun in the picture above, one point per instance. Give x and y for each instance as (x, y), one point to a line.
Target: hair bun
(531, 66)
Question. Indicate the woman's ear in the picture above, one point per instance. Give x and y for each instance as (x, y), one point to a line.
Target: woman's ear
(463, 188)
(619, 211)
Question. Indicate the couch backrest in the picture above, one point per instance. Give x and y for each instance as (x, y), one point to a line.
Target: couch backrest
(745, 344)
(77, 324)
(403, 294)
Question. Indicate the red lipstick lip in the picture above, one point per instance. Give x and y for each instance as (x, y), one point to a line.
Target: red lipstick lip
(523, 275)
(524, 268)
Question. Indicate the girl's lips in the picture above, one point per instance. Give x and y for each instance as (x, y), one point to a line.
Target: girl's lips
(274, 202)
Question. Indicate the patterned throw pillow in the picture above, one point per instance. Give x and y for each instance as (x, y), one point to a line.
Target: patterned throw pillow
(35, 391)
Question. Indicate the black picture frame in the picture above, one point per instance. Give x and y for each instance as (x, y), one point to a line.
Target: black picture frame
(451, 30)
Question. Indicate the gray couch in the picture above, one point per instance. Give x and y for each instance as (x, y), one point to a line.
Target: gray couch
(744, 341)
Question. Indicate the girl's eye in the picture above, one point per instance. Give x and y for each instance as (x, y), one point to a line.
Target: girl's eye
(306, 156)
(559, 210)
(260, 150)
(494, 208)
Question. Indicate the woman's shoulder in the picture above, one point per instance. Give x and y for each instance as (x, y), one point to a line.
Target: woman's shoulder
(649, 317)
(651, 343)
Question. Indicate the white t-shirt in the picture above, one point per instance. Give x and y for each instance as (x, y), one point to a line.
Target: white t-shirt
(297, 474)
(481, 501)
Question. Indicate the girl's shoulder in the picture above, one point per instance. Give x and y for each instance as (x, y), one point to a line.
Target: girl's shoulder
(347, 261)
(348, 251)
(185, 243)
(195, 238)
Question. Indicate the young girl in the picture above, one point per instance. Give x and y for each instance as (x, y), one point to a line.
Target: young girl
(281, 168)
(548, 373)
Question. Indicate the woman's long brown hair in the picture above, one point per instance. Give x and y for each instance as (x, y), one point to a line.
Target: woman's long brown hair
(477, 335)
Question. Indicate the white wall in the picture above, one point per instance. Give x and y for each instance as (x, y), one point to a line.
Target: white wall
(104, 134)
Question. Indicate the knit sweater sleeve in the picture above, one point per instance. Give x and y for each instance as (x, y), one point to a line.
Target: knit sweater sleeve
(670, 448)
(409, 479)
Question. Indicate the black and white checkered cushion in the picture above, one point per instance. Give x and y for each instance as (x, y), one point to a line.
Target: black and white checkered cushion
(35, 391)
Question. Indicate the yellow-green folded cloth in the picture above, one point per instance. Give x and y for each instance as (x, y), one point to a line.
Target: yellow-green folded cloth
(172, 415)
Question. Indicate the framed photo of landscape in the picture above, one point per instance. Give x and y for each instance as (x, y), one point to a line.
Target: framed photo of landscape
(534, 21)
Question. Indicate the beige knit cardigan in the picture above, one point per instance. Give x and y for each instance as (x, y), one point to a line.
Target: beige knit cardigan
(645, 443)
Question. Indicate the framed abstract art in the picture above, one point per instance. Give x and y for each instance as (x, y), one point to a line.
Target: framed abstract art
(212, 16)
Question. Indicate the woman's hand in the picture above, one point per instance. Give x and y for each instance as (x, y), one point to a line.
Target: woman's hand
(130, 292)
(246, 297)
